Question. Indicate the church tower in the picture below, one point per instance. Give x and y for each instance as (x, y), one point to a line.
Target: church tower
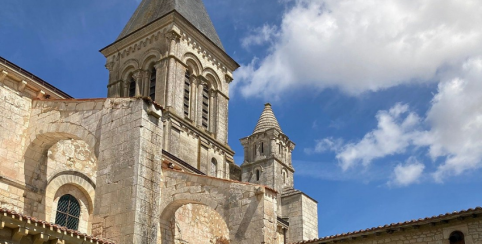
(267, 161)
(267, 154)
(170, 52)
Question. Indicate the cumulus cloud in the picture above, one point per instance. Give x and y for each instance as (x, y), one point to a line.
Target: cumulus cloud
(396, 130)
(362, 45)
(451, 130)
(408, 173)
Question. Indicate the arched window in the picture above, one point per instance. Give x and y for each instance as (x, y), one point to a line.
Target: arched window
(257, 174)
(68, 212)
(132, 86)
(205, 114)
(214, 167)
(457, 237)
(152, 84)
(187, 92)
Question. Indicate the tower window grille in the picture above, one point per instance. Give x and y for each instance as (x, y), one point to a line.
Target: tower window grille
(132, 86)
(68, 212)
(205, 107)
(152, 84)
(187, 92)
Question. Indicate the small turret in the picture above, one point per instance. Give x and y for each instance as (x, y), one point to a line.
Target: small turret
(267, 154)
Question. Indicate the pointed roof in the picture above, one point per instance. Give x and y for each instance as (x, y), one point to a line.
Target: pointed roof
(267, 120)
(193, 10)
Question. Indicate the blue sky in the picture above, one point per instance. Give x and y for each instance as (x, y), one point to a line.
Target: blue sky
(382, 98)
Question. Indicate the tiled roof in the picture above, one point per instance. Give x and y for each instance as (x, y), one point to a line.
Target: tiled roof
(390, 228)
(55, 227)
(267, 120)
(194, 11)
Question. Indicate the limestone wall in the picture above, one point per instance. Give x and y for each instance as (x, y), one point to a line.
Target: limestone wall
(14, 121)
(249, 211)
(303, 217)
(310, 218)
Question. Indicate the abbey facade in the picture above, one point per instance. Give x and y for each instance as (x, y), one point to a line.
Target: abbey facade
(151, 162)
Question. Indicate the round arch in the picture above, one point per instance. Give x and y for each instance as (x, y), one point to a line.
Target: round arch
(150, 56)
(192, 222)
(192, 61)
(35, 156)
(211, 75)
(77, 185)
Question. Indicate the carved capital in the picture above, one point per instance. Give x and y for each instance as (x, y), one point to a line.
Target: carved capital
(3, 75)
(228, 78)
(173, 35)
(109, 66)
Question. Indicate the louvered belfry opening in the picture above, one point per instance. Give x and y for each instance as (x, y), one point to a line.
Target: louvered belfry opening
(68, 212)
(152, 84)
(205, 113)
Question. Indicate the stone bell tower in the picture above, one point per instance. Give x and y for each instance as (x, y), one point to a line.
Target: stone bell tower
(267, 154)
(267, 161)
(170, 52)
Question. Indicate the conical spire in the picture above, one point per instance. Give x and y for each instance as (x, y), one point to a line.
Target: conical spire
(193, 10)
(267, 120)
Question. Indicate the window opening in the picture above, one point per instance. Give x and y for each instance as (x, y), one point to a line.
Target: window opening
(262, 147)
(132, 86)
(279, 148)
(68, 212)
(257, 175)
(457, 237)
(205, 108)
(152, 84)
(284, 177)
(214, 167)
(187, 92)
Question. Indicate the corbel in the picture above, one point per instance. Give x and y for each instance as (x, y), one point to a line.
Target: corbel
(40, 94)
(228, 78)
(22, 85)
(153, 111)
(3, 75)
(19, 233)
(40, 238)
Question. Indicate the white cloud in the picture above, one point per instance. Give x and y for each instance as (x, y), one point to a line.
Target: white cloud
(362, 45)
(260, 36)
(407, 174)
(326, 144)
(396, 130)
(456, 120)
(453, 134)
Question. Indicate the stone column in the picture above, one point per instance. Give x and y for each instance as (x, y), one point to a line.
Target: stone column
(193, 99)
(213, 112)
(161, 71)
(200, 102)
(173, 37)
(137, 75)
